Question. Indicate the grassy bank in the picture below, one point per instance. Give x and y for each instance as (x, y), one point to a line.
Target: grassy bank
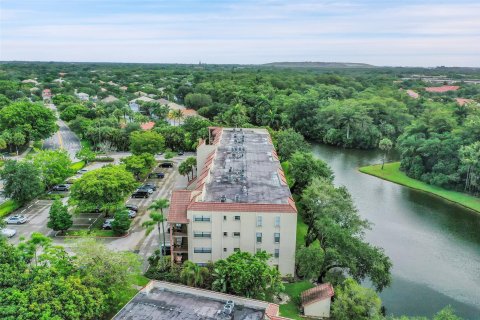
(391, 172)
(290, 309)
(7, 207)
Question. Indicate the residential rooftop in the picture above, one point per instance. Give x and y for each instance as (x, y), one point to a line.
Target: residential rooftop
(167, 301)
(246, 169)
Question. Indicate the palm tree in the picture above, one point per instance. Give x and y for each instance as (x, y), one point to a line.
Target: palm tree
(349, 119)
(385, 145)
(192, 274)
(184, 170)
(157, 218)
(176, 114)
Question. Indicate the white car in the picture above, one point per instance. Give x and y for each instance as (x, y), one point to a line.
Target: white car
(107, 225)
(132, 214)
(8, 232)
(16, 219)
(82, 171)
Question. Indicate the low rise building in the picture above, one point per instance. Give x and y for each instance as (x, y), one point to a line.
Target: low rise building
(167, 301)
(240, 201)
(316, 301)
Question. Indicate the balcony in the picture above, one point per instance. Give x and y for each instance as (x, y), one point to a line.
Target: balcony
(179, 230)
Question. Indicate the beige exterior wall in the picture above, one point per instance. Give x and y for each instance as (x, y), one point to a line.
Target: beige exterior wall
(319, 309)
(247, 241)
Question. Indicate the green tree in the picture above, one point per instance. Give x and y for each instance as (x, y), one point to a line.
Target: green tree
(303, 167)
(22, 181)
(34, 121)
(385, 145)
(235, 116)
(288, 142)
(352, 301)
(102, 188)
(248, 275)
(54, 166)
(197, 100)
(59, 219)
(333, 221)
(176, 115)
(470, 161)
(85, 154)
(139, 165)
(157, 218)
(146, 142)
(18, 139)
(121, 222)
(193, 275)
(187, 167)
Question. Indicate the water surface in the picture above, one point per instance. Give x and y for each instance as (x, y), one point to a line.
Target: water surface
(434, 244)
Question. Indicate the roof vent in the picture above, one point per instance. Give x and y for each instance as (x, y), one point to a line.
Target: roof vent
(223, 198)
(237, 198)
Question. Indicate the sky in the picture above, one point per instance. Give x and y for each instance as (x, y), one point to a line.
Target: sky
(380, 32)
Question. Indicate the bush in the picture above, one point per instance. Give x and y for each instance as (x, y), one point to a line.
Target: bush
(121, 224)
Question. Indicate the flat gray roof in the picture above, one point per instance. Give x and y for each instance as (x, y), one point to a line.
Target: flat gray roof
(245, 169)
(161, 303)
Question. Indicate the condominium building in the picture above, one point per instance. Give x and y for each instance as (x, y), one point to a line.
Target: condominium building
(240, 201)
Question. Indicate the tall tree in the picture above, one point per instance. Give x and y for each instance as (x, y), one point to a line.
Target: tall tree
(193, 275)
(54, 166)
(22, 181)
(157, 218)
(146, 142)
(121, 222)
(59, 219)
(385, 145)
(288, 142)
(304, 167)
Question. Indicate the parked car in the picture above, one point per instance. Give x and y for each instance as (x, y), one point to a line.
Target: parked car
(158, 175)
(140, 194)
(61, 187)
(149, 186)
(16, 219)
(131, 207)
(107, 225)
(147, 189)
(132, 214)
(82, 171)
(166, 165)
(8, 232)
(180, 153)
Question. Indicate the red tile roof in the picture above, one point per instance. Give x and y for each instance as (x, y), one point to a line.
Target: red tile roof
(413, 94)
(242, 207)
(189, 112)
(178, 206)
(463, 101)
(442, 89)
(147, 125)
(318, 293)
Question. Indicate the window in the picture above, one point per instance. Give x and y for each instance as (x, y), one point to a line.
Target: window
(225, 234)
(259, 237)
(259, 221)
(202, 250)
(236, 234)
(201, 218)
(224, 218)
(277, 253)
(224, 249)
(202, 234)
(277, 221)
(276, 236)
(236, 249)
(237, 218)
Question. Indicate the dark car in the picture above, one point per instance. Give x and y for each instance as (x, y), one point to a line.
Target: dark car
(141, 193)
(149, 186)
(131, 207)
(166, 165)
(61, 187)
(159, 175)
(181, 153)
(167, 250)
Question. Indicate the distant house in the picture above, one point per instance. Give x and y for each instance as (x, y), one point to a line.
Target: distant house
(134, 106)
(35, 82)
(112, 83)
(442, 89)
(46, 94)
(147, 125)
(109, 99)
(175, 106)
(59, 81)
(83, 96)
(463, 101)
(123, 88)
(316, 301)
(413, 94)
(144, 99)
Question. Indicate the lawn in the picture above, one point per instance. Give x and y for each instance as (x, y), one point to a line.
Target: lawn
(77, 165)
(391, 172)
(93, 232)
(290, 309)
(8, 207)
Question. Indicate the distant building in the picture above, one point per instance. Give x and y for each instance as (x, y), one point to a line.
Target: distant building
(109, 99)
(442, 89)
(167, 301)
(316, 301)
(413, 94)
(147, 125)
(59, 81)
(123, 88)
(46, 94)
(463, 101)
(175, 106)
(83, 96)
(35, 82)
(240, 201)
(134, 106)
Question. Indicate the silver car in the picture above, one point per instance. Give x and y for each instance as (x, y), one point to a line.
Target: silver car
(16, 219)
(8, 232)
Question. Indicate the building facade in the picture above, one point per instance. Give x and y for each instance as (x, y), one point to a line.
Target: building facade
(240, 201)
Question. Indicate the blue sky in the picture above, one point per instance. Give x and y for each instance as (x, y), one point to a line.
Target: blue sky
(402, 33)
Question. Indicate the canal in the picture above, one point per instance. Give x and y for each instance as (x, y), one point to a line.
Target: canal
(434, 244)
